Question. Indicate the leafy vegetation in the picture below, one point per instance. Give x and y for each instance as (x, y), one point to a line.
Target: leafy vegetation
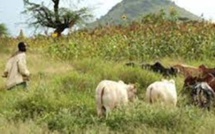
(153, 37)
(59, 19)
(3, 30)
(65, 72)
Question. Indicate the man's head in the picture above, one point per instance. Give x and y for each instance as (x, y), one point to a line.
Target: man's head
(22, 47)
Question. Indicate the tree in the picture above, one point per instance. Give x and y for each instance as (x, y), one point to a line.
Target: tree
(3, 30)
(59, 19)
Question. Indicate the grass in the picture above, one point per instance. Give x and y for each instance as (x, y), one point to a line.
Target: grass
(61, 100)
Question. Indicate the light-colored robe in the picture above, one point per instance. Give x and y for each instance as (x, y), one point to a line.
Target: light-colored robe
(16, 70)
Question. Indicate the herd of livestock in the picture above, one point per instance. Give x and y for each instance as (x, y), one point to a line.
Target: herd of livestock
(199, 83)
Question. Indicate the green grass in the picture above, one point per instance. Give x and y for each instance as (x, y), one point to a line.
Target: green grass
(61, 100)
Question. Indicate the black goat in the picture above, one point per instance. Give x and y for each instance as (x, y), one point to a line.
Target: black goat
(159, 68)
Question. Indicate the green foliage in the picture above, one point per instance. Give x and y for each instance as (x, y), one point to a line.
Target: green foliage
(5, 45)
(3, 30)
(68, 121)
(156, 118)
(60, 18)
(36, 105)
(151, 38)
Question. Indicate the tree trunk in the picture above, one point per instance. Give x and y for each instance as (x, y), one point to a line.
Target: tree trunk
(60, 29)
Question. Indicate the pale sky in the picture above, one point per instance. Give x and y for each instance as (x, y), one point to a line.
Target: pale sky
(10, 11)
(198, 7)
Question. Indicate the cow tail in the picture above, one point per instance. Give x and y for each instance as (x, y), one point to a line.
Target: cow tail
(150, 95)
(100, 99)
(102, 93)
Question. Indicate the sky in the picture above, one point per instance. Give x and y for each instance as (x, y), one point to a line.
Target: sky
(10, 11)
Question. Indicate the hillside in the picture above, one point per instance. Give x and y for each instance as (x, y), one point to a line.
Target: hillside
(134, 10)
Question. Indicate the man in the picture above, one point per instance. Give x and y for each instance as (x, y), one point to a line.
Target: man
(16, 70)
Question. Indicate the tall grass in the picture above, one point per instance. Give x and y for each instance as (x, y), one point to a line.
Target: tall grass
(66, 104)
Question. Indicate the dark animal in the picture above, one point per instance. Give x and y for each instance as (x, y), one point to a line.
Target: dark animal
(203, 95)
(130, 64)
(208, 78)
(159, 68)
(201, 89)
(206, 70)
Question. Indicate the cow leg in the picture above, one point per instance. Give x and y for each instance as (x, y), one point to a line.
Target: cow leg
(209, 98)
(101, 111)
(108, 109)
(207, 101)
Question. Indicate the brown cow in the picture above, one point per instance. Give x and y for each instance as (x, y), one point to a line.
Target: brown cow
(206, 70)
(208, 78)
(187, 70)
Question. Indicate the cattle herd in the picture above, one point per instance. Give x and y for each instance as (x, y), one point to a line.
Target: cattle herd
(199, 84)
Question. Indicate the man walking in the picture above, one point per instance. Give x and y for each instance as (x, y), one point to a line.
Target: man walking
(16, 70)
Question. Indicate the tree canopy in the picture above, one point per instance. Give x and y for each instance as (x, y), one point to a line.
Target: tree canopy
(3, 30)
(59, 18)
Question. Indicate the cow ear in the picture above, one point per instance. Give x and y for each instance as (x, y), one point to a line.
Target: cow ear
(172, 81)
(178, 70)
(164, 80)
(120, 81)
(135, 86)
(131, 86)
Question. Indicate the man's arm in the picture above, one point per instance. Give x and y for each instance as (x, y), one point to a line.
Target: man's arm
(5, 74)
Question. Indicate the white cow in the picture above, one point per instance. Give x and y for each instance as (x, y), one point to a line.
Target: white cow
(111, 94)
(162, 91)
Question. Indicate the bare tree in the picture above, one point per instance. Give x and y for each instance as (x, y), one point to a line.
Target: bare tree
(58, 18)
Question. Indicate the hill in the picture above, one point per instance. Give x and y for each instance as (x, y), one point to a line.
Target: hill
(134, 10)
